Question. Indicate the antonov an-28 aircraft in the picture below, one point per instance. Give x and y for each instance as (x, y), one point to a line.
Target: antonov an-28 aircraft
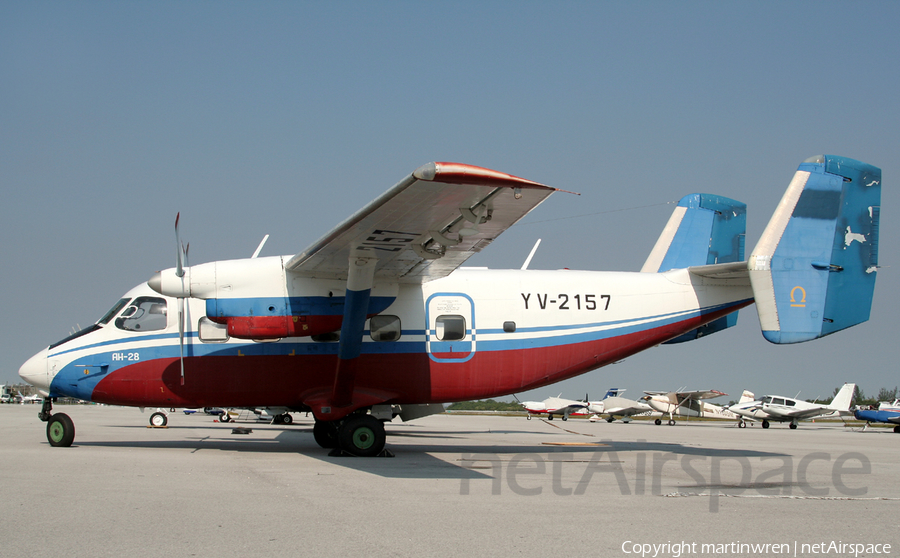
(377, 313)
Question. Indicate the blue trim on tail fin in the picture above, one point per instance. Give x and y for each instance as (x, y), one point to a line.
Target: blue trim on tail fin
(824, 265)
(711, 231)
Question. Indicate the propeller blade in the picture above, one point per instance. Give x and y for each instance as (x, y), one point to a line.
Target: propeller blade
(179, 268)
(181, 335)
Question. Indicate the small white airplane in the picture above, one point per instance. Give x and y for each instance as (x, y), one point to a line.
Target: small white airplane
(378, 312)
(685, 404)
(614, 406)
(23, 399)
(560, 407)
(777, 408)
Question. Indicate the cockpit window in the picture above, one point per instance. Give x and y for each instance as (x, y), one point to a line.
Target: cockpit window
(113, 311)
(145, 313)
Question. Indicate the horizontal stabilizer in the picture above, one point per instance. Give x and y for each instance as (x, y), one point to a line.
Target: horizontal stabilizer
(813, 270)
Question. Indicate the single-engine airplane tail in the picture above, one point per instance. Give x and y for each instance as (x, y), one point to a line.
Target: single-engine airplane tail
(378, 312)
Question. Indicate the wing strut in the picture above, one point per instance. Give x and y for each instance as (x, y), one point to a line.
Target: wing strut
(360, 279)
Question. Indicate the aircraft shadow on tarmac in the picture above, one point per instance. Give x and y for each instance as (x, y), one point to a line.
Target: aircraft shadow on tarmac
(413, 460)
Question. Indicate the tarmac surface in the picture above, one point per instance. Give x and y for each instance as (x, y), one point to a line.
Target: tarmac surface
(458, 485)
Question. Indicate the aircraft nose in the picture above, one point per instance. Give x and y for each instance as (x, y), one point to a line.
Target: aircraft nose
(34, 371)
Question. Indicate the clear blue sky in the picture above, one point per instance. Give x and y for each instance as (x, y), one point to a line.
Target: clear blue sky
(283, 118)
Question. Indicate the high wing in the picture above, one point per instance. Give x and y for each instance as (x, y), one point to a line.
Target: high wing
(426, 226)
(786, 412)
(702, 394)
(692, 395)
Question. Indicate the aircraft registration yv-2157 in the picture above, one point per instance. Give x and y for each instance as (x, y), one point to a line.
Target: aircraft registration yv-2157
(377, 314)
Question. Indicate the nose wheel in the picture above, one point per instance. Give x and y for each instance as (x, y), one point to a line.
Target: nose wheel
(60, 430)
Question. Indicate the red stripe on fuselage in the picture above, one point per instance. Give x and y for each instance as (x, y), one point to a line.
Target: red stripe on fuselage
(283, 380)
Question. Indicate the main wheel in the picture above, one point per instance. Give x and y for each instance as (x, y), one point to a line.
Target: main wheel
(657, 422)
(897, 429)
(565, 417)
(326, 434)
(287, 418)
(224, 417)
(158, 419)
(765, 423)
(610, 419)
(793, 426)
(60, 430)
(362, 435)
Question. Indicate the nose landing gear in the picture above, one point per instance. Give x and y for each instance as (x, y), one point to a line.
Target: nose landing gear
(60, 428)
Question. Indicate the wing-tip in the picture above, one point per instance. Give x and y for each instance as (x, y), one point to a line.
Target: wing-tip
(459, 173)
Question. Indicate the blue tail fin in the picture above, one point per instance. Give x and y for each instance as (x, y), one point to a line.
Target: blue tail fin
(813, 271)
(704, 229)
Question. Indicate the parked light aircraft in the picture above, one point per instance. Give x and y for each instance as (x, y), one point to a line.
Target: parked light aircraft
(560, 407)
(685, 404)
(29, 398)
(614, 406)
(887, 413)
(777, 408)
(377, 312)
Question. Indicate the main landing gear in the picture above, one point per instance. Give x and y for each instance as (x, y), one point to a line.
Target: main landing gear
(60, 428)
(358, 434)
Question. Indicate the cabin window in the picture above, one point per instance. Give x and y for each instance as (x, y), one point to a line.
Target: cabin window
(384, 328)
(450, 327)
(777, 401)
(509, 327)
(146, 313)
(211, 332)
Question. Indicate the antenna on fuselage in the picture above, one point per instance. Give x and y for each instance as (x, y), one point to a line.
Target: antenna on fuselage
(531, 255)
(260, 247)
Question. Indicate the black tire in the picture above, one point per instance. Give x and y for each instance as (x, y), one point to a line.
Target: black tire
(793, 426)
(897, 429)
(610, 419)
(564, 417)
(287, 418)
(671, 422)
(326, 434)
(362, 435)
(528, 417)
(224, 417)
(159, 419)
(657, 422)
(60, 430)
(765, 423)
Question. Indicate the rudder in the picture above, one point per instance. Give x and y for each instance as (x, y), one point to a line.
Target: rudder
(813, 270)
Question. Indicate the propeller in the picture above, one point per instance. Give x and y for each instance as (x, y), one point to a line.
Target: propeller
(181, 256)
